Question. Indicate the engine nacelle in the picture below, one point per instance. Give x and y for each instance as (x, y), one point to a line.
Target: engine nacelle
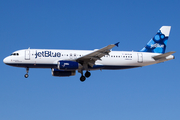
(67, 65)
(61, 73)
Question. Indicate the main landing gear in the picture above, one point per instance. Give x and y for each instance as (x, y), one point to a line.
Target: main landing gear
(83, 78)
(26, 75)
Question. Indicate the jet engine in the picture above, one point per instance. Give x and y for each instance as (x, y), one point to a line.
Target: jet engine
(67, 65)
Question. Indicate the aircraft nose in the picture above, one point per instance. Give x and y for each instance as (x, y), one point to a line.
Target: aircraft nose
(6, 60)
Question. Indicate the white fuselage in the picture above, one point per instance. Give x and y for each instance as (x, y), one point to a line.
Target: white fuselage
(48, 58)
(66, 62)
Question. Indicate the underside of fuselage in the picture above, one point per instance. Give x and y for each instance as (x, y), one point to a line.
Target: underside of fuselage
(95, 67)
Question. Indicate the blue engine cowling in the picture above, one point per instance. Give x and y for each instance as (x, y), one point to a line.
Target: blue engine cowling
(67, 65)
(61, 73)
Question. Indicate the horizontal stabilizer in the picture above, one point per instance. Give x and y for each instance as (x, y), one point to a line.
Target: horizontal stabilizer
(163, 56)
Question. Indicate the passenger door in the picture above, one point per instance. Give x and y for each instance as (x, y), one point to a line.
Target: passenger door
(27, 54)
(140, 57)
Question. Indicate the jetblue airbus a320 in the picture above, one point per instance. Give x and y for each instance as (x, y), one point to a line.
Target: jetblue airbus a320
(66, 62)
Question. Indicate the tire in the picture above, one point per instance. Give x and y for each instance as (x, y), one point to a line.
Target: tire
(26, 75)
(87, 74)
(82, 78)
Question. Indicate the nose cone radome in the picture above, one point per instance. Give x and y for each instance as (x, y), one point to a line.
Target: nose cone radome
(6, 60)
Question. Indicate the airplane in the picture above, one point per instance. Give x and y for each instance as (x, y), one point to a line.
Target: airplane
(65, 63)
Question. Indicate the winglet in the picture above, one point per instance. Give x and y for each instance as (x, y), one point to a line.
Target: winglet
(117, 44)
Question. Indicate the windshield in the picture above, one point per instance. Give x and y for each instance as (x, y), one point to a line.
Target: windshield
(14, 54)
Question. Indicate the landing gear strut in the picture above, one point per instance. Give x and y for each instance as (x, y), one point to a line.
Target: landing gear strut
(26, 75)
(82, 78)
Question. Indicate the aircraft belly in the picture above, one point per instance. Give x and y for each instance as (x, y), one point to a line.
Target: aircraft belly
(30, 65)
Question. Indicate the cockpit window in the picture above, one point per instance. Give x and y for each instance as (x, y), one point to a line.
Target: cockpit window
(15, 54)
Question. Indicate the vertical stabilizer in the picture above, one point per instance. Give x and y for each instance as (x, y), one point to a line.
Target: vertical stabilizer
(158, 43)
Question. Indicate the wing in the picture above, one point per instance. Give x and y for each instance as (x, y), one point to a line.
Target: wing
(90, 58)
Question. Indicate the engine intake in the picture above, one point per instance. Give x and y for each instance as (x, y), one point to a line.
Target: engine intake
(61, 73)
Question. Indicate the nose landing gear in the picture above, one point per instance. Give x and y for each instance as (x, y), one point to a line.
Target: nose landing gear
(26, 75)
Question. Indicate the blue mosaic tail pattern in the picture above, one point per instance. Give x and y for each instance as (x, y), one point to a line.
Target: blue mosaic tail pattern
(158, 43)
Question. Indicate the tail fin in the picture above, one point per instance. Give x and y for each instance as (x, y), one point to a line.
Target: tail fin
(158, 43)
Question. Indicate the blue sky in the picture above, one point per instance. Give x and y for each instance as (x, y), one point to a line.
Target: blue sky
(146, 93)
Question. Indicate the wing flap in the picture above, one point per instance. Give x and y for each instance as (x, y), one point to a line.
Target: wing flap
(92, 57)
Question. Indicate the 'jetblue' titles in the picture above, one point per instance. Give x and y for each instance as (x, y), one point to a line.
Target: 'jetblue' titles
(47, 54)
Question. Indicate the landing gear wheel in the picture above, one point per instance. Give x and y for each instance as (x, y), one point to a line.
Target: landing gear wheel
(87, 74)
(26, 75)
(82, 78)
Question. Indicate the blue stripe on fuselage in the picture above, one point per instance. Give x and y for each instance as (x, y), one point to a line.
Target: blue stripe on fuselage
(108, 67)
